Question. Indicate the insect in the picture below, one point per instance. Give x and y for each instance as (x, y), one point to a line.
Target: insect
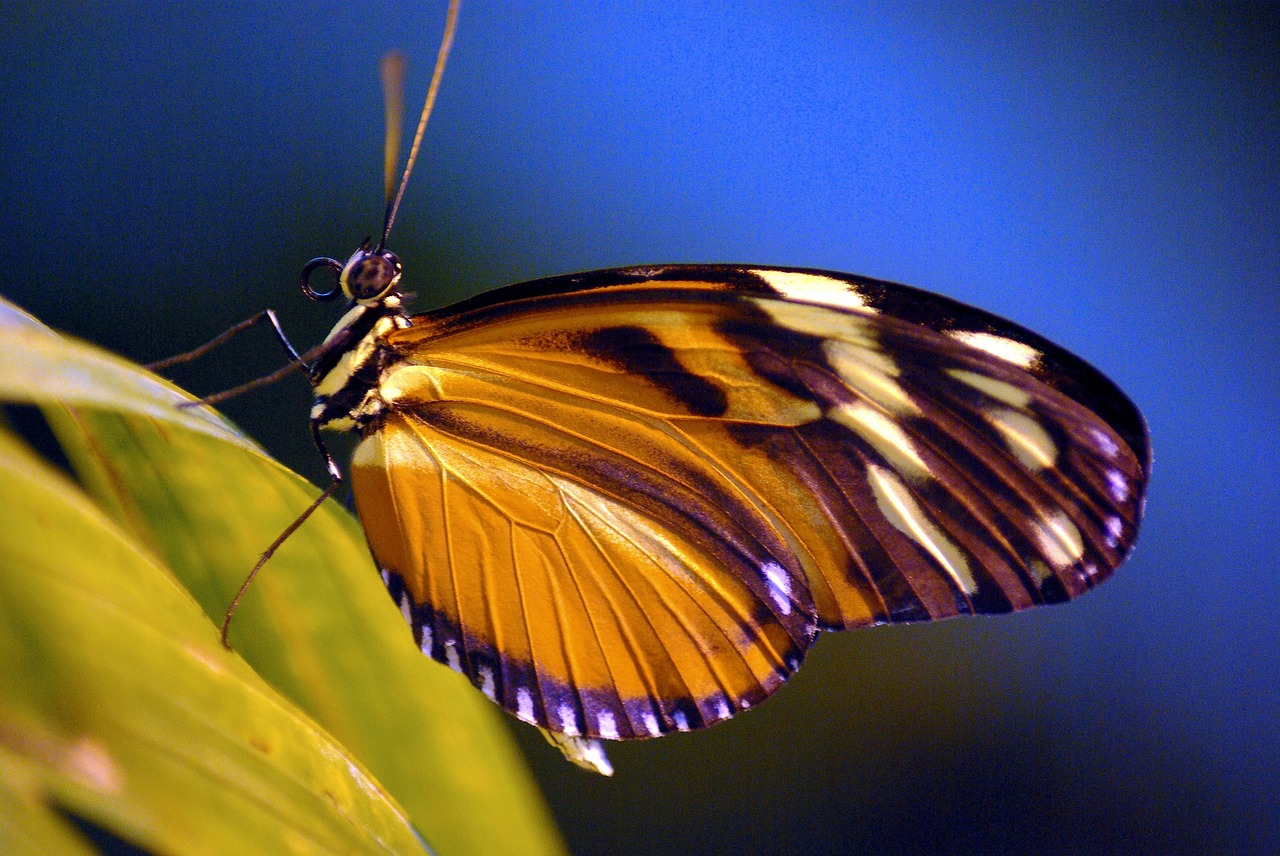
(624, 503)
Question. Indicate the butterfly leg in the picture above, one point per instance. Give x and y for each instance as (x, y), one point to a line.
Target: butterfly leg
(224, 337)
(268, 553)
(296, 361)
(336, 473)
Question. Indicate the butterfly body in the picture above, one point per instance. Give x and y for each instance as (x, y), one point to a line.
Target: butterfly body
(625, 502)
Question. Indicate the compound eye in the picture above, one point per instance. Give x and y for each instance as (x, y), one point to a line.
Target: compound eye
(370, 274)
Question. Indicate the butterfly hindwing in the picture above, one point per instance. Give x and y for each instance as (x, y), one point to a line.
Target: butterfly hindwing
(623, 502)
(574, 608)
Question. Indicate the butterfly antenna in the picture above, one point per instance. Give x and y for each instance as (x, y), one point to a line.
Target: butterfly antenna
(392, 69)
(393, 91)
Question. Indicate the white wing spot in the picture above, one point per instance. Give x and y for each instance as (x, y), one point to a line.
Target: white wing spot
(606, 725)
(681, 721)
(524, 704)
(486, 683)
(905, 514)
(823, 322)
(1059, 539)
(814, 288)
(870, 373)
(722, 709)
(406, 607)
(568, 722)
(779, 586)
(884, 435)
(1106, 445)
(1025, 437)
(1005, 393)
(451, 656)
(650, 723)
(1118, 484)
(1040, 571)
(1115, 529)
(1021, 355)
(427, 640)
(386, 576)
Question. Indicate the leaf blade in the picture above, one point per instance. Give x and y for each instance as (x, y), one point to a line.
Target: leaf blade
(119, 698)
(197, 492)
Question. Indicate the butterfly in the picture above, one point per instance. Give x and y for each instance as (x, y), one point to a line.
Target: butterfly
(625, 503)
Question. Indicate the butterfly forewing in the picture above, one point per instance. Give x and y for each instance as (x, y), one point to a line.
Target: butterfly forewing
(623, 502)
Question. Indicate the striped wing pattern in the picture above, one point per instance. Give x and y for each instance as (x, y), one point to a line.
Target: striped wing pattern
(623, 503)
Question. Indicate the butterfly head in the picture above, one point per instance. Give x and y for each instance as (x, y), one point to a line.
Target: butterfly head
(368, 277)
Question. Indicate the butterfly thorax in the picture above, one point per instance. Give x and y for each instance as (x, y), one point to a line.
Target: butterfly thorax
(346, 373)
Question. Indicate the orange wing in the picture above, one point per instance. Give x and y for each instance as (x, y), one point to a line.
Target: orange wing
(624, 503)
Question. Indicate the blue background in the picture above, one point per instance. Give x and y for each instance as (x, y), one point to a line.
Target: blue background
(1107, 175)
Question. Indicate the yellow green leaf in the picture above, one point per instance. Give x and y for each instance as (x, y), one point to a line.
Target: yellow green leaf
(121, 708)
(317, 625)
